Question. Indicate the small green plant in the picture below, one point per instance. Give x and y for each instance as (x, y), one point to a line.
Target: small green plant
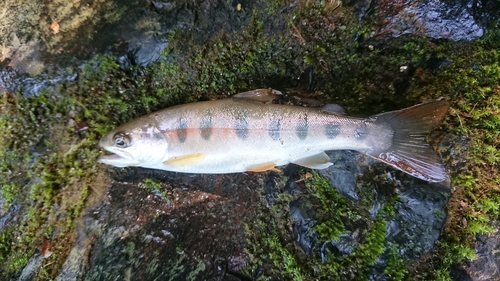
(157, 188)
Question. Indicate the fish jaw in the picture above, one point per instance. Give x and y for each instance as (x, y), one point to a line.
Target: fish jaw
(119, 158)
(114, 160)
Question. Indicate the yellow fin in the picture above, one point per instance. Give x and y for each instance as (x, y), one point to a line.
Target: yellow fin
(185, 160)
(263, 167)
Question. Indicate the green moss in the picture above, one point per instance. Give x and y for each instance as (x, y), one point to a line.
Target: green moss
(5, 244)
(197, 271)
(271, 243)
(99, 68)
(9, 191)
(374, 244)
(158, 188)
(58, 162)
(331, 207)
(396, 267)
(153, 265)
(227, 64)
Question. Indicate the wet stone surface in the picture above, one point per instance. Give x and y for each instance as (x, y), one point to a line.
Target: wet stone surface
(487, 264)
(70, 33)
(419, 212)
(195, 232)
(455, 20)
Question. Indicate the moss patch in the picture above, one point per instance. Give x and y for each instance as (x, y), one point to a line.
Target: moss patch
(273, 251)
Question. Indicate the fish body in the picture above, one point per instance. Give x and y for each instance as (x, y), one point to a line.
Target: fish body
(246, 133)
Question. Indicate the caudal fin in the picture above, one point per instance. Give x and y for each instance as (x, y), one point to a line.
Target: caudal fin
(410, 152)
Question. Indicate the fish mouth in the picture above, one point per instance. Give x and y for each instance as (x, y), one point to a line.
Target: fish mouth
(108, 157)
(117, 159)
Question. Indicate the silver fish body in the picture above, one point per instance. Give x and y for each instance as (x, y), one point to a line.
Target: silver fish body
(245, 133)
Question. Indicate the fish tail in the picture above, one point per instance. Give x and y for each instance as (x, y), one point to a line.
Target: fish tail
(409, 151)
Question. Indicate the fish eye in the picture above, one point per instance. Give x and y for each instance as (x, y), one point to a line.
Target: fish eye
(121, 139)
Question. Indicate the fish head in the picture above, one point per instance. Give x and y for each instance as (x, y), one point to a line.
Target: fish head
(134, 144)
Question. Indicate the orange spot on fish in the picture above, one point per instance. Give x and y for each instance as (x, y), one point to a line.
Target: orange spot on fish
(192, 131)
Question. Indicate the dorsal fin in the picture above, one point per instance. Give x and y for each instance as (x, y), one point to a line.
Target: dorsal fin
(333, 108)
(258, 95)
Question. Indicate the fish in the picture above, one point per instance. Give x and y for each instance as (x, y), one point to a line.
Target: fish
(250, 133)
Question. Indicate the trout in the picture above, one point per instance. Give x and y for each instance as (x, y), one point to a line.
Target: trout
(248, 133)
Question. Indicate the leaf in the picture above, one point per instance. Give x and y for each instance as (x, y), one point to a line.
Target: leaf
(55, 26)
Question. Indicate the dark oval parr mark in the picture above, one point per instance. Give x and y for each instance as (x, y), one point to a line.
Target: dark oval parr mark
(332, 130)
(206, 126)
(241, 125)
(274, 129)
(181, 128)
(302, 127)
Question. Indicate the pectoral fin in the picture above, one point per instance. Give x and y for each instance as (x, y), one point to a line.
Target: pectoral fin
(185, 160)
(317, 161)
(258, 96)
(263, 167)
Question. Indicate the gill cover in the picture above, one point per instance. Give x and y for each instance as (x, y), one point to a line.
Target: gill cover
(142, 145)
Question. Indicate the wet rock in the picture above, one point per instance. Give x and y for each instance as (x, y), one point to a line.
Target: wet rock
(28, 272)
(343, 245)
(437, 20)
(455, 20)
(458, 273)
(302, 227)
(163, 6)
(6, 216)
(420, 215)
(194, 235)
(150, 50)
(8, 79)
(29, 86)
(413, 228)
(347, 167)
(487, 264)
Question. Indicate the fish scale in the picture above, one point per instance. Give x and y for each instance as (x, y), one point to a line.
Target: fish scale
(247, 133)
(301, 134)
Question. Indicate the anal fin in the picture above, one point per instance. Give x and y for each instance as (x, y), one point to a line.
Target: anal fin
(263, 167)
(317, 161)
(185, 160)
